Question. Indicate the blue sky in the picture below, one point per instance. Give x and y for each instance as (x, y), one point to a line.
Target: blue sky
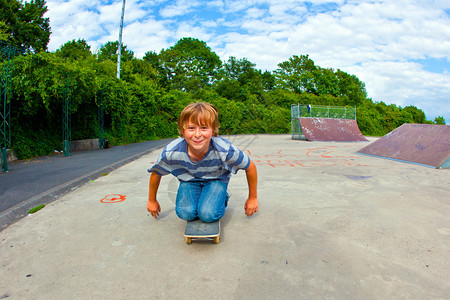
(399, 48)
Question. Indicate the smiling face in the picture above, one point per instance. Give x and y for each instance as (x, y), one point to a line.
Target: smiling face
(198, 136)
(198, 123)
(201, 114)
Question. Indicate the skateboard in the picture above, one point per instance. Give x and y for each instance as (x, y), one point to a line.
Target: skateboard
(201, 230)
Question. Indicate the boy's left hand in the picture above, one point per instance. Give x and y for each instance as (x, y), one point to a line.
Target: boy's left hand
(251, 206)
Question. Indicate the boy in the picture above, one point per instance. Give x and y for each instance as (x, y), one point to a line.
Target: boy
(203, 163)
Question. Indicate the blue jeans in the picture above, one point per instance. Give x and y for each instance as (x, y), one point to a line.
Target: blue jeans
(204, 200)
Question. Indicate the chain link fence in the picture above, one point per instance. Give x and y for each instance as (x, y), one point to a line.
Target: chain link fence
(317, 111)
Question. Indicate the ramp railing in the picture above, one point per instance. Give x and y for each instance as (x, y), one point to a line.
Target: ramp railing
(317, 111)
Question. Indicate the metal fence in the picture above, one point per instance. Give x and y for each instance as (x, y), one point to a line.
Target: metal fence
(7, 54)
(317, 111)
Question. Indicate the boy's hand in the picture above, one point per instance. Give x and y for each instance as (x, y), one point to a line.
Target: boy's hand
(251, 206)
(154, 208)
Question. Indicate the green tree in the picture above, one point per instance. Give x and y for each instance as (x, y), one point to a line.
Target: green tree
(245, 72)
(39, 82)
(326, 81)
(230, 89)
(351, 88)
(296, 74)
(439, 120)
(190, 65)
(138, 69)
(154, 90)
(268, 81)
(25, 25)
(75, 50)
(240, 78)
(3, 31)
(417, 115)
(108, 52)
(153, 58)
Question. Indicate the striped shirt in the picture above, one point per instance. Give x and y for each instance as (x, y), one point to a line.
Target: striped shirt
(221, 160)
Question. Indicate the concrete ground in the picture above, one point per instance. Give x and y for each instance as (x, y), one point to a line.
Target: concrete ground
(42, 180)
(332, 224)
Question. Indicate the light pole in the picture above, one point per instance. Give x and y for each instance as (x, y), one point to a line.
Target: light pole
(119, 51)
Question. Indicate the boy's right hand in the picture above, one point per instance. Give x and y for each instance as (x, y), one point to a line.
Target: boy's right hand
(154, 208)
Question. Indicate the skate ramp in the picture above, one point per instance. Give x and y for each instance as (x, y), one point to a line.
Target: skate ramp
(423, 144)
(331, 130)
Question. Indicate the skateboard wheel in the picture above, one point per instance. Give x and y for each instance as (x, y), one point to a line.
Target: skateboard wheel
(216, 240)
(188, 240)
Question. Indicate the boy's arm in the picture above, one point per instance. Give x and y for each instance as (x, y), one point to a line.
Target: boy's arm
(251, 205)
(152, 204)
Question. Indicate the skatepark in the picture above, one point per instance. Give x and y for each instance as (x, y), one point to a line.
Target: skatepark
(332, 224)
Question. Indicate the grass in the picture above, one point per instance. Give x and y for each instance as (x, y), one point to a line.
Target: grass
(35, 209)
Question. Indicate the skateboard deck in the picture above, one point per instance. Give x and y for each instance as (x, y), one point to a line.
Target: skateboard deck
(201, 230)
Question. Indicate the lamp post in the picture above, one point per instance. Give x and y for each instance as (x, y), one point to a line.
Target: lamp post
(119, 50)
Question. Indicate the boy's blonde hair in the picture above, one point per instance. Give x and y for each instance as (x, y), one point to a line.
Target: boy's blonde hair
(200, 113)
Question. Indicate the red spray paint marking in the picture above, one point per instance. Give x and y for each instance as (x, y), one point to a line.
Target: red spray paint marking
(113, 198)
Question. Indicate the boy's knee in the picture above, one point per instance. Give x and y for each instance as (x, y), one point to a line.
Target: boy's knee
(186, 214)
(209, 217)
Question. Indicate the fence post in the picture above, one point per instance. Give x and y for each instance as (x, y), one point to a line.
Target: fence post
(7, 53)
(101, 122)
(67, 124)
(4, 160)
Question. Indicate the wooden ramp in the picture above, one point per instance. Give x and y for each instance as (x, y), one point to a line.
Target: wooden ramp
(423, 144)
(331, 130)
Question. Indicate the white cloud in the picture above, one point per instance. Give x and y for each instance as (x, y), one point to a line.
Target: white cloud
(72, 20)
(150, 35)
(208, 24)
(253, 13)
(186, 29)
(405, 83)
(216, 5)
(110, 14)
(180, 8)
(136, 10)
(286, 11)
